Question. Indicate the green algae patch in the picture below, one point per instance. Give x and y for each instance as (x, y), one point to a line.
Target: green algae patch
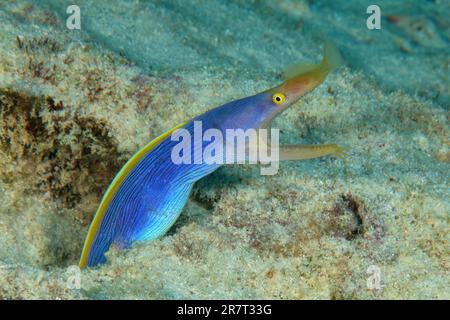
(61, 153)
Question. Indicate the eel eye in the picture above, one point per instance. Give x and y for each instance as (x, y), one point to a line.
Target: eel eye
(278, 98)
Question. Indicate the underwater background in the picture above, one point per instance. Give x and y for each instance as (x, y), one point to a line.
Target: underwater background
(76, 104)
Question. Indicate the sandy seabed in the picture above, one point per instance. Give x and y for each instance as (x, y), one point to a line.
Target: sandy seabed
(76, 104)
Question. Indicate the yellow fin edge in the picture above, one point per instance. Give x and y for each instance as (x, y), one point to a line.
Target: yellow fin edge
(330, 61)
(112, 189)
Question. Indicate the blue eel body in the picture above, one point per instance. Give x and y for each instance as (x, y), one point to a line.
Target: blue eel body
(149, 193)
(154, 192)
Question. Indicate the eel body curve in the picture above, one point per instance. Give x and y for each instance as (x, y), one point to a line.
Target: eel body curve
(149, 192)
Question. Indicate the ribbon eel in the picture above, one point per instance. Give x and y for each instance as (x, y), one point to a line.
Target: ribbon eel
(149, 192)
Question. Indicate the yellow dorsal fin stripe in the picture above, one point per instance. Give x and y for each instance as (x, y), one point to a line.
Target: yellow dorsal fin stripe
(112, 189)
(294, 70)
(331, 60)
